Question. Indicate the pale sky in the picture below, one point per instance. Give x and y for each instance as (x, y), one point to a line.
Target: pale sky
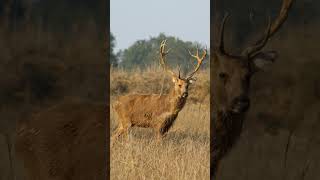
(133, 20)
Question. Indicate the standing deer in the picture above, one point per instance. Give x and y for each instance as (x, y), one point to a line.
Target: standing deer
(231, 76)
(155, 111)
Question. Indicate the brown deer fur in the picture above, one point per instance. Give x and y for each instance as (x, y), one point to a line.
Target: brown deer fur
(154, 111)
(231, 75)
(65, 142)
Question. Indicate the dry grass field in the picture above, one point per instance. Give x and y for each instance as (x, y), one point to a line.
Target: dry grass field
(184, 153)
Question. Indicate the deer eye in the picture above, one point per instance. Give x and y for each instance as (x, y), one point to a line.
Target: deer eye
(223, 75)
(180, 85)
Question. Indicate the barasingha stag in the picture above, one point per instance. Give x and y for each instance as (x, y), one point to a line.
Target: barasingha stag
(231, 76)
(153, 110)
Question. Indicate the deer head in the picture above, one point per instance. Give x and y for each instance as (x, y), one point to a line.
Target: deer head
(181, 84)
(232, 73)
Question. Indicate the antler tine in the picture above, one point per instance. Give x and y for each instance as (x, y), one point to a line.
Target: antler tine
(199, 61)
(197, 53)
(192, 54)
(286, 5)
(163, 53)
(162, 47)
(252, 49)
(273, 28)
(204, 53)
(221, 43)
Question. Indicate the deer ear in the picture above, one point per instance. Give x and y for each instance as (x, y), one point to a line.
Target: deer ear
(264, 59)
(191, 81)
(174, 79)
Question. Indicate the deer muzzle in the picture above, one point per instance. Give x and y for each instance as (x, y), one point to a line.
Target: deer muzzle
(185, 94)
(240, 104)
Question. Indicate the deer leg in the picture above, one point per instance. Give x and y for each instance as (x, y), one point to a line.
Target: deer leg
(161, 136)
(162, 132)
(120, 131)
(127, 129)
(166, 125)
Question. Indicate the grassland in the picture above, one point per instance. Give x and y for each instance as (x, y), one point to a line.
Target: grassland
(184, 153)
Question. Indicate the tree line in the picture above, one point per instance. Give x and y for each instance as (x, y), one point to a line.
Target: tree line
(145, 53)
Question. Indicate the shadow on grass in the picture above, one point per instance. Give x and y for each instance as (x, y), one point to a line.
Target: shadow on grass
(175, 137)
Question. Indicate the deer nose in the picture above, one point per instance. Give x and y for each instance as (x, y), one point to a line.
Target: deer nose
(241, 104)
(185, 94)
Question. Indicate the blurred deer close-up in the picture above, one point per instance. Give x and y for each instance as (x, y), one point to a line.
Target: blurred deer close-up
(156, 111)
(231, 76)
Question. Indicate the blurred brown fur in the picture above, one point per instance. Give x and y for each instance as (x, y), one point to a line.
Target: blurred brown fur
(66, 141)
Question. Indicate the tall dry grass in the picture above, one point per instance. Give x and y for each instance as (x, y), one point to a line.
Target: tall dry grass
(184, 153)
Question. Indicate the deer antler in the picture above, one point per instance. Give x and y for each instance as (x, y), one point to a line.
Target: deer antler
(163, 53)
(221, 43)
(199, 61)
(271, 30)
(260, 44)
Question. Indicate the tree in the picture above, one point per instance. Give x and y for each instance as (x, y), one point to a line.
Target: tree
(144, 53)
(113, 56)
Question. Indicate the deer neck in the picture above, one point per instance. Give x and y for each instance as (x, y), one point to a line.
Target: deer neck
(227, 128)
(177, 102)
